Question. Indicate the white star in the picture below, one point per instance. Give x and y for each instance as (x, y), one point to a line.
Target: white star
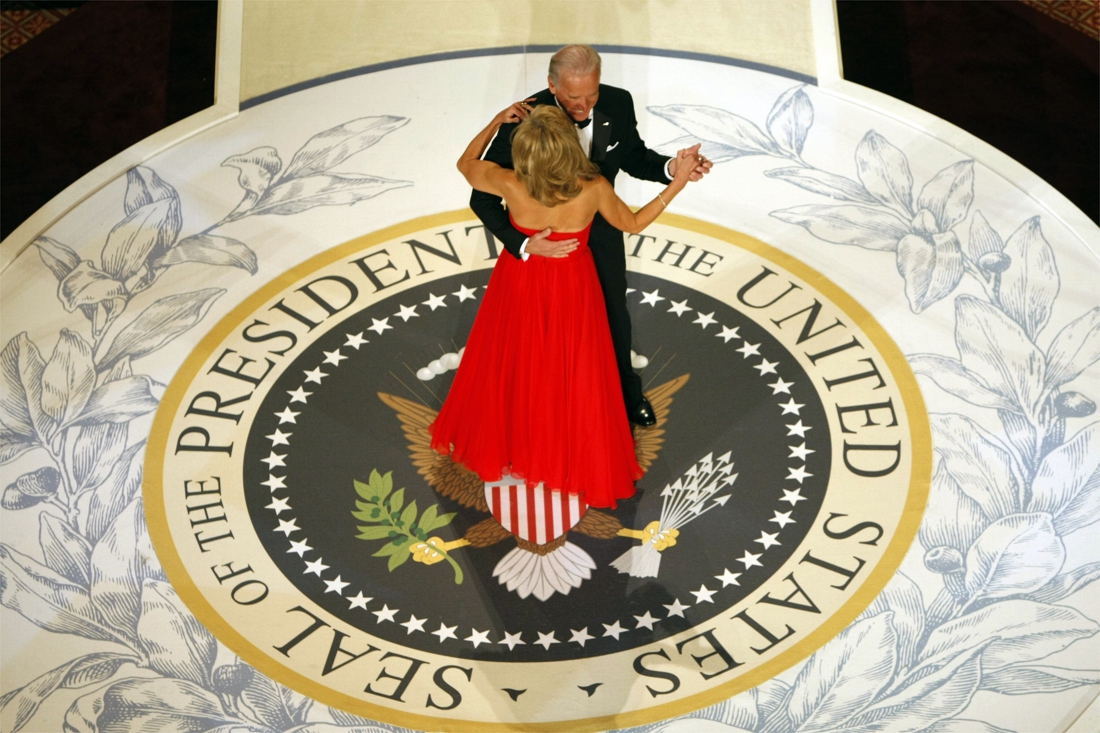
(645, 621)
(315, 375)
(705, 319)
(748, 350)
(274, 482)
(333, 357)
(301, 548)
(316, 567)
(580, 636)
(793, 497)
(287, 416)
(298, 395)
(676, 609)
(767, 540)
(791, 406)
(379, 326)
(336, 586)
(359, 601)
(728, 578)
(287, 526)
(614, 629)
(703, 595)
(766, 367)
(679, 308)
(406, 312)
(355, 340)
(413, 624)
(782, 519)
(433, 302)
(798, 429)
(478, 638)
(445, 632)
(278, 438)
(800, 452)
(279, 505)
(465, 293)
(749, 560)
(651, 298)
(386, 614)
(798, 474)
(545, 640)
(274, 459)
(728, 333)
(512, 639)
(780, 386)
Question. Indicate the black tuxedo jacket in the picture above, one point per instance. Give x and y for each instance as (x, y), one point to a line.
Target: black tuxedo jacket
(615, 146)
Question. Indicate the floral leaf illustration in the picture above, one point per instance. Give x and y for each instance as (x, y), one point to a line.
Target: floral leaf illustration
(903, 598)
(13, 445)
(264, 698)
(844, 675)
(1067, 483)
(949, 194)
(1030, 285)
(824, 183)
(95, 451)
(300, 194)
(110, 497)
(119, 401)
(978, 462)
(144, 187)
(257, 168)
(790, 119)
(932, 267)
(68, 377)
(884, 171)
(60, 258)
(963, 725)
(740, 712)
(48, 599)
(159, 704)
(145, 234)
(1015, 554)
(20, 705)
(86, 286)
(21, 368)
(211, 249)
(121, 562)
(1075, 349)
(694, 724)
(1031, 679)
(332, 147)
(1022, 631)
(1066, 584)
(173, 640)
(995, 348)
(709, 124)
(160, 323)
(951, 519)
(31, 488)
(983, 239)
(861, 226)
(64, 550)
(951, 376)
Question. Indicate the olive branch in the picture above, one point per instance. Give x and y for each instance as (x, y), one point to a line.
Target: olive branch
(394, 521)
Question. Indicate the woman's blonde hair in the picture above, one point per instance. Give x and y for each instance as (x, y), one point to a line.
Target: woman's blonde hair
(548, 159)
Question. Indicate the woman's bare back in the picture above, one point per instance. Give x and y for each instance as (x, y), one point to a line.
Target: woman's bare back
(572, 216)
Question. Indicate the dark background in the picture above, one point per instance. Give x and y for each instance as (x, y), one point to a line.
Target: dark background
(114, 72)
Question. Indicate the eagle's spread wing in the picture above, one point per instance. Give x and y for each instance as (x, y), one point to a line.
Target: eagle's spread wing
(444, 475)
(648, 441)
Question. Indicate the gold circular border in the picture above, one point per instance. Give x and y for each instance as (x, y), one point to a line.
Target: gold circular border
(920, 479)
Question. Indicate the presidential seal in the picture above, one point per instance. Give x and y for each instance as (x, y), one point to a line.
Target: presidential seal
(299, 510)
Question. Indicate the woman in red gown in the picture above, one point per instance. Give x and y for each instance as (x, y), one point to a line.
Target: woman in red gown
(537, 394)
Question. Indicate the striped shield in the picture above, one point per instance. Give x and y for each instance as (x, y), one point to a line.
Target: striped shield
(533, 513)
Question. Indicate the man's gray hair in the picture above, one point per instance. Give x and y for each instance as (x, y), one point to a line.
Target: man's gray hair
(576, 59)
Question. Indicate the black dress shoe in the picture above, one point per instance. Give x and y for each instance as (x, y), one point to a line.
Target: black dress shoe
(642, 415)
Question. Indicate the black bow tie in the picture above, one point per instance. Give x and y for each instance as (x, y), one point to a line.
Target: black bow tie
(583, 124)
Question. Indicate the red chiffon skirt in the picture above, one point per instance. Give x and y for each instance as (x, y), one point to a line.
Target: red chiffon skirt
(537, 395)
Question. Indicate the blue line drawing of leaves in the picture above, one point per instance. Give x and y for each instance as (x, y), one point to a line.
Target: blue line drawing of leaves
(145, 234)
(13, 445)
(951, 376)
(1016, 554)
(31, 488)
(144, 187)
(21, 367)
(121, 562)
(1066, 584)
(742, 712)
(884, 171)
(300, 194)
(861, 226)
(334, 728)
(265, 700)
(1067, 483)
(68, 377)
(1031, 679)
(64, 550)
(903, 598)
(98, 295)
(157, 704)
(257, 168)
(948, 194)
(95, 451)
(1030, 285)
(951, 519)
(790, 119)
(327, 149)
(983, 239)
(172, 640)
(824, 183)
(978, 462)
(931, 265)
(844, 675)
(1074, 349)
(160, 323)
(211, 249)
(119, 401)
(108, 499)
(693, 724)
(20, 705)
(737, 135)
(994, 347)
(60, 258)
(964, 725)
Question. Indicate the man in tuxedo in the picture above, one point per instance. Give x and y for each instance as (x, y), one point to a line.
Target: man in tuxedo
(608, 131)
